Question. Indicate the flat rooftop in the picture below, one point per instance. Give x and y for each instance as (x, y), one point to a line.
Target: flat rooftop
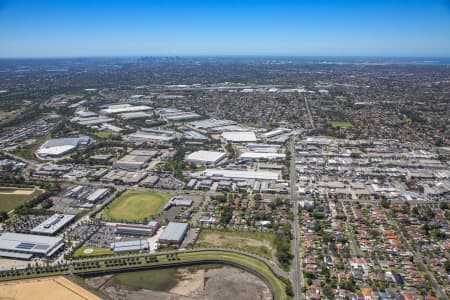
(53, 224)
(206, 156)
(174, 232)
(240, 136)
(29, 243)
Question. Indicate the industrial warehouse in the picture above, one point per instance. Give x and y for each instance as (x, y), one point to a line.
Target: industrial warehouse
(26, 246)
(174, 233)
(205, 157)
(53, 224)
(60, 146)
(135, 160)
(138, 229)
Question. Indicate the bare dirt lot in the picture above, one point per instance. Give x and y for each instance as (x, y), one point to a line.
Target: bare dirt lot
(196, 283)
(52, 288)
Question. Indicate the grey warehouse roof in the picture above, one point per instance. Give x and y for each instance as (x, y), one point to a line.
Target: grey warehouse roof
(174, 232)
(53, 224)
(29, 243)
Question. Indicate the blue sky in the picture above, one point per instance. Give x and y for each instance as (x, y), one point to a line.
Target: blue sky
(48, 28)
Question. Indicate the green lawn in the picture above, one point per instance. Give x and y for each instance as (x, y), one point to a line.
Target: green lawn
(259, 243)
(27, 152)
(104, 134)
(337, 124)
(10, 201)
(135, 206)
(80, 252)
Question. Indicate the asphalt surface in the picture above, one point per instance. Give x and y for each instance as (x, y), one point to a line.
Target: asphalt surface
(297, 279)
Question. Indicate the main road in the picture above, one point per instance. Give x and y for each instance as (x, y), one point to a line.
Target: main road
(297, 274)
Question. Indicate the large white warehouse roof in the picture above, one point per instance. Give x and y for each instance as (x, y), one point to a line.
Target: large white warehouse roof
(206, 157)
(239, 136)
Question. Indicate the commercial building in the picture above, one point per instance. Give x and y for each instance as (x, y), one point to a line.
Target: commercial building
(194, 135)
(239, 136)
(129, 246)
(92, 120)
(122, 176)
(53, 224)
(135, 160)
(60, 146)
(262, 155)
(264, 148)
(153, 135)
(211, 123)
(134, 115)
(123, 108)
(274, 133)
(101, 158)
(98, 194)
(241, 174)
(178, 201)
(25, 246)
(174, 233)
(205, 157)
(175, 115)
(138, 229)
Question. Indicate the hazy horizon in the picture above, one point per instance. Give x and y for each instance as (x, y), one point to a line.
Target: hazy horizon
(348, 28)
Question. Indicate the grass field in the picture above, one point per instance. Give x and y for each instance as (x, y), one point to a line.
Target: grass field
(87, 251)
(259, 243)
(135, 206)
(336, 124)
(11, 198)
(27, 152)
(104, 134)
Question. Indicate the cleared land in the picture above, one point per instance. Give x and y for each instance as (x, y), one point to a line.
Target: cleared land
(135, 206)
(11, 197)
(336, 124)
(86, 251)
(259, 243)
(199, 282)
(53, 288)
(212, 256)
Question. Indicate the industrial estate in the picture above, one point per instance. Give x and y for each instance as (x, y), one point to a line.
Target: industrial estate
(275, 178)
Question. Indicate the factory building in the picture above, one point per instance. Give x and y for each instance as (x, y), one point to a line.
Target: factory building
(274, 133)
(178, 201)
(211, 123)
(130, 246)
(135, 160)
(239, 136)
(123, 108)
(138, 229)
(53, 224)
(153, 135)
(174, 233)
(205, 157)
(60, 146)
(262, 156)
(175, 115)
(26, 246)
(241, 174)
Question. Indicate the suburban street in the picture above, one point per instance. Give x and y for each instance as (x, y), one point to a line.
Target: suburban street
(297, 279)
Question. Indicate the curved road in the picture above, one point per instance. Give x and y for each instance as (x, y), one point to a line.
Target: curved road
(274, 267)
